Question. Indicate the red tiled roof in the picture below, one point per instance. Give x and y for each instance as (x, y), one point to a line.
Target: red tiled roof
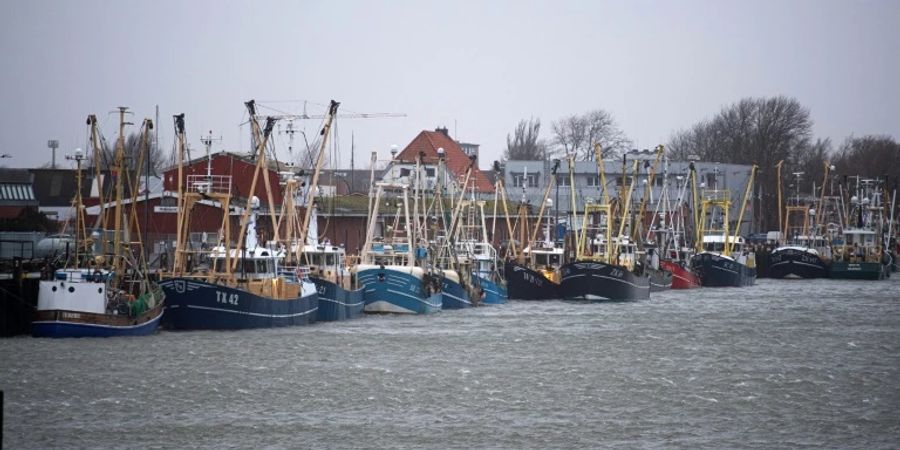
(456, 160)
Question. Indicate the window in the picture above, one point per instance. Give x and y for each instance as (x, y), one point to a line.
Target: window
(168, 201)
(593, 180)
(518, 180)
(710, 180)
(429, 172)
(404, 172)
(563, 179)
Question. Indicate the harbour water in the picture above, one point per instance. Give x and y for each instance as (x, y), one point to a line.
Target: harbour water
(783, 364)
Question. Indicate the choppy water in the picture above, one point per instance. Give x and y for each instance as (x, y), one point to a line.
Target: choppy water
(783, 364)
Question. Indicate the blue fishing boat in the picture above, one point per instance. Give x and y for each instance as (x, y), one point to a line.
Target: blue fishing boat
(390, 272)
(255, 295)
(241, 286)
(453, 294)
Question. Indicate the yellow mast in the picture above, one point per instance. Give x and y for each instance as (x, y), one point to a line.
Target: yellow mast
(178, 264)
(310, 195)
(80, 232)
(645, 197)
(781, 222)
(117, 219)
(820, 213)
(509, 228)
(98, 178)
(550, 185)
(695, 208)
(737, 228)
(624, 215)
(143, 151)
(260, 165)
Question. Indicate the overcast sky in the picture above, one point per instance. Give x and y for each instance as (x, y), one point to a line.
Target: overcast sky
(477, 67)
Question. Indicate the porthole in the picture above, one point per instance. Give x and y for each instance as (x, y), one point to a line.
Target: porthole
(54, 289)
(100, 290)
(71, 288)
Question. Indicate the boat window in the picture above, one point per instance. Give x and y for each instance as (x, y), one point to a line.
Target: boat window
(554, 260)
(249, 266)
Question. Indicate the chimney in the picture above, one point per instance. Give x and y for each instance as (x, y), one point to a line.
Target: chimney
(443, 130)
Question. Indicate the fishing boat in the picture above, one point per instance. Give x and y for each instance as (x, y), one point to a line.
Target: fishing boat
(648, 258)
(605, 265)
(667, 231)
(103, 291)
(722, 258)
(860, 253)
(392, 270)
(457, 288)
(475, 252)
(326, 266)
(534, 272)
(323, 263)
(804, 251)
(243, 286)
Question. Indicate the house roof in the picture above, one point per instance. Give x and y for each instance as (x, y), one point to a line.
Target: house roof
(56, 187)
(427, 143)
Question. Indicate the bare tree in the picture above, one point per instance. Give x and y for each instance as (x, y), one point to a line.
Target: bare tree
(525, 143)
(869, 156)
(759, 131)
(811, 160)
(577, 134)
(157, 160)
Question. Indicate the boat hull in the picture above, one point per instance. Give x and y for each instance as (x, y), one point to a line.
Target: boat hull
(386, 290)
(660, 280)
(197, 305)
(588, 280)
(493, 293)
(523, 283)
(719, 271)
(453, 295)
(336, 302)
(858, 271)
(796, 263)
(65, 324)
(682, 277)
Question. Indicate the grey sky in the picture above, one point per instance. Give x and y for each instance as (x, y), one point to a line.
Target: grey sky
(477, 67)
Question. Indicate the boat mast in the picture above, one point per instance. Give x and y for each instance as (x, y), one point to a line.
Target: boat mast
(619, 236)
(320, 160)
(550, 183)
(98, 180)
(120, 169)
(647, 195)
(80, 231)
(820, 213)
(737, 229)
(180, 241)
(781, 224)
(143, 153)
(260, 165)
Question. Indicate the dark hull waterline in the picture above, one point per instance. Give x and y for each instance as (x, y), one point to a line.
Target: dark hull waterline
(588, 280)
